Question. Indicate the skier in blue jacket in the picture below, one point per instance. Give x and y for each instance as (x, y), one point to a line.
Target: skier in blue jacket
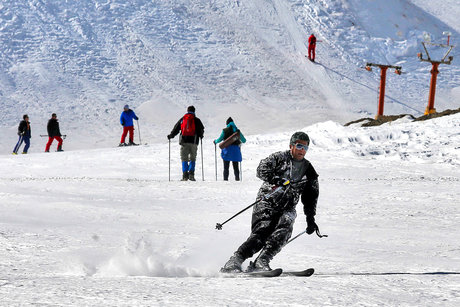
(231, 153)
(126, 120)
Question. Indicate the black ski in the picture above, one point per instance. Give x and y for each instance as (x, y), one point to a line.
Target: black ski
(305, 273)
(272, 273)
(128, 145)
(313, 61)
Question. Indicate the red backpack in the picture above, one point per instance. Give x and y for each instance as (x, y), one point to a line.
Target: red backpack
(188, 125)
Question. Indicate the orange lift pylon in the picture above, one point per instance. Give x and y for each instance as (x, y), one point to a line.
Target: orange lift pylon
(434, 72)
(383, 78)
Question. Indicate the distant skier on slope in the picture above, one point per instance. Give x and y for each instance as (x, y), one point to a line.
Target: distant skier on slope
(126, 120)
(191, 131)
(24, 132)
(273, 219)
(54, 133)
(231, 153)
(311, 47)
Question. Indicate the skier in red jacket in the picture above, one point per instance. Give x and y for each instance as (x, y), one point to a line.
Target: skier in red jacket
(311, 47)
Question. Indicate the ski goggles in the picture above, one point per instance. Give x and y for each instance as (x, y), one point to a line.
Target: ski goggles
(301, 146)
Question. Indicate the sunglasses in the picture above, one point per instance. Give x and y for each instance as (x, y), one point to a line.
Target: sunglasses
(301, 146)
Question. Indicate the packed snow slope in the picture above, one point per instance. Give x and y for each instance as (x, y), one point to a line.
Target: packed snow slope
(85, 59)
(106, 228)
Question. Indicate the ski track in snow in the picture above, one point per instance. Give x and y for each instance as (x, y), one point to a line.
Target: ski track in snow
(105, 227)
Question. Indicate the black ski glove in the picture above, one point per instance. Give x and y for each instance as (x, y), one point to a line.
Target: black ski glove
(311, 225)
(170, 136)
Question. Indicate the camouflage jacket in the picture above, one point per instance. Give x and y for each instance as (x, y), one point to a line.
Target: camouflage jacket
(280, 164)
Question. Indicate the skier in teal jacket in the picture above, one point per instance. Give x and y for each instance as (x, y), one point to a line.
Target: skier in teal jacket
(231, 153)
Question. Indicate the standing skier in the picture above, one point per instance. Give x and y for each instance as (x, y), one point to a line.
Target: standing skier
(54, 133)
(311, 47)
(25, 133)
(126, 120)
(191, 131)
(273, 218)
(231, 153)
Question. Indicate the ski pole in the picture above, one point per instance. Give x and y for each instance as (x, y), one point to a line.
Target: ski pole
(304, 232)
(219, 225)
(277, 190)
(319, 233)
(241, 166)
(202, 166)
(169, 160)
(139, 129)
(46, 135)
(215, 158)
(241, 170)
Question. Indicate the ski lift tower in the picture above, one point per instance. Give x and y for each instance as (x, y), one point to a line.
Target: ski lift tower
(383, 78)
(434, 71)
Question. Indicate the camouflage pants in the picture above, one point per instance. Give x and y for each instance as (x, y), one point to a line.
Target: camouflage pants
(270, 230)
(188, 152)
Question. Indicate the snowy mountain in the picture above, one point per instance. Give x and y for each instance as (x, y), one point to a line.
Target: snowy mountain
(84, 60)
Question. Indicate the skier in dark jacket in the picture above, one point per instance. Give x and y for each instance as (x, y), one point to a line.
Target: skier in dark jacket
(25, 133)
(54, 133)
(126, 120)
(273, 217)
(191, 131)
(311, 47)
(231, 153)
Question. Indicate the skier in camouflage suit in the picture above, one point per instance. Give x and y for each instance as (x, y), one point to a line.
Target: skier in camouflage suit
(273, 217)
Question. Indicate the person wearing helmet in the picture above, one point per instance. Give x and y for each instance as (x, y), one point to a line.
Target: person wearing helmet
(273, 216)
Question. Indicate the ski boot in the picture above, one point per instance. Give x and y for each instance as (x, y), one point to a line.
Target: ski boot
(59, 148)
(191, 176)
(233, 265)
(184, 176)
(261, 263)
(131, 143)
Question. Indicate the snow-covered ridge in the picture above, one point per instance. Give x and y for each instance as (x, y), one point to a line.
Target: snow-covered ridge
(432, 141)
(428, 141)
